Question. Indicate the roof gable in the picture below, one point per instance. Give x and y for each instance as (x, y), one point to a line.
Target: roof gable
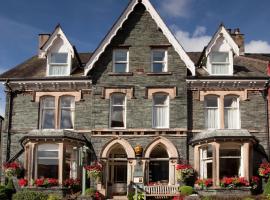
(119, 23)
(222, 32)
(57, 35)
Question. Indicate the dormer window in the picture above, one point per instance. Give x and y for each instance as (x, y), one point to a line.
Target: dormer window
(159, 60)
(120, 61)
(58, 64)
(220, 64)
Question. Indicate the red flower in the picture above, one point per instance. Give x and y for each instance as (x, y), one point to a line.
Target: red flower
(22, 182)
(71, 182)
(39, 182)
(97, 166)
(183, 166)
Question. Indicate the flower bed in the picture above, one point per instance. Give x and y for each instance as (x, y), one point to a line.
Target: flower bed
(203, 183)
(233, 182)
(46, 182)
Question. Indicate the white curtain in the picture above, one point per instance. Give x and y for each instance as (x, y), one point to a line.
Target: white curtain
(231, 113)
(220, 68)
(47, 110)
(58, 70)
(211, 118)
(67, 112)
(161, 111)
(118, 110)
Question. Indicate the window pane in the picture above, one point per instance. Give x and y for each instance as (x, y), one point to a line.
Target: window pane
(230, 101)
(48, 119)
(120, 173)
(120, 67)
(158, 67)
(67, 119)
(118, 99)
(158, 55)
(67, 101)
(220, 69)
(59, 57)
(159, 171)
(231, 112)
(229, 167)
(160, 99)
(56, 70)
(120, 55)
(220, 57)
(209, 168)
(211, 101)
(117, 116)
(47, 102)
(230, 152)
(47, 167)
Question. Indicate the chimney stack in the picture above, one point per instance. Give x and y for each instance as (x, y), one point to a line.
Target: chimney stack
(42, 39)
(239, 39)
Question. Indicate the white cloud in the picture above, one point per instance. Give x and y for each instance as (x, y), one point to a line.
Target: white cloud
(176, 8)
(257, 46)
(192, 42)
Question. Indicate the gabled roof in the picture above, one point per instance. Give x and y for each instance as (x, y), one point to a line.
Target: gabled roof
(119, 23)
(222, 32)
(57, 33)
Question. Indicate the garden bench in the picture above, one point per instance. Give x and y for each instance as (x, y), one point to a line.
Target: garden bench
(160, 191)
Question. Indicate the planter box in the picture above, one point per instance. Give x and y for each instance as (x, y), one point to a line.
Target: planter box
(60, 191)
(85, 198)
(221, 192)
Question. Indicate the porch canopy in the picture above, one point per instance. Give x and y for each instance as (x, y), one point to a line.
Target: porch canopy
(222, 135)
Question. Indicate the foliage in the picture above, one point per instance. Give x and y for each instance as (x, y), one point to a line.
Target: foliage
(184, 172)
(3, 193)
(267, 188)
(140, 196)
(233, 182)
(264, 169)
(94, 171)
(29, 195)
(54, 197)
(73, 184)
(12, 169)
(90, 191)
(186, 190)
(254, 182)
(22, 182)
(204, 183)
(46, 182)
(10, 188)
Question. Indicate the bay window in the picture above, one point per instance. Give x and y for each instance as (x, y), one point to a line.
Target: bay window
(120, 60)
(206, 160)
(160, 110)
(118, 111)
(159, 60)
(211, 112)
(47, 161)
(47, 112)
(220, 64)
(231, 112)
(58, 64)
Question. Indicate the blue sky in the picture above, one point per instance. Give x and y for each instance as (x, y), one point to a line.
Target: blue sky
(85, 22)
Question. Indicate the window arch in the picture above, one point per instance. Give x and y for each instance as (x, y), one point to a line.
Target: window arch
(66, 112)
(231, 112)
(118, 110)
(160, 110)
(47, 112)
(211, 110)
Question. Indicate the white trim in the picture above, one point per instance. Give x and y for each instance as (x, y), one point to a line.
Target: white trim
(67, 64)
(165, 30)
(167, 105)
(222, 32)
(125, 111)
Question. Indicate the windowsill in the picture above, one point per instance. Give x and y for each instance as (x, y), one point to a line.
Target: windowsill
(120, 74)
(159, 73)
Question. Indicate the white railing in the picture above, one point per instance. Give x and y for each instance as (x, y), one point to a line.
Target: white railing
(161, 190)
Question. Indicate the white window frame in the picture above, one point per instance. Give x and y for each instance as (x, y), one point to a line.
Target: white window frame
(229, 63)
(72, 110)
(125, 110)
(206, 108)
(204, 161)
(168, 113)
(67, 64)
(238, 119)
(165, 61)
(121, 62)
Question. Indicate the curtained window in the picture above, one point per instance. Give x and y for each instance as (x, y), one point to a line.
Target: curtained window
(160, 110)
(120, 58)
(206, 162)
(211, 112)
(67, 108)
(159, 60)
(58, 64)
(220, 63)
(231, 112)
(47, 112)
(118, 110)
(47, 161)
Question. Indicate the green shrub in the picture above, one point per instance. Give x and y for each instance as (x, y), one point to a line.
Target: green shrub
(10, 188)
(248, 198)
(29, 195)
(54, 197)
(186, 190)
(3, 195)
(90, 192)
(140, 196)
(266, 190)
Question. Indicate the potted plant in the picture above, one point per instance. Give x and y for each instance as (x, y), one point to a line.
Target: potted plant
(185, 173)
(94, 171)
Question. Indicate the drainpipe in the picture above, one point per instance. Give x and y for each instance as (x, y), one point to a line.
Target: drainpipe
(266, 93)
(9, 121)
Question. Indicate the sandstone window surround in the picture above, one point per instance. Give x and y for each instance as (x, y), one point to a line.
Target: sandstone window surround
(213, 160)
(52, 159)
(57, 109)
(222, 110)
(121, 60)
